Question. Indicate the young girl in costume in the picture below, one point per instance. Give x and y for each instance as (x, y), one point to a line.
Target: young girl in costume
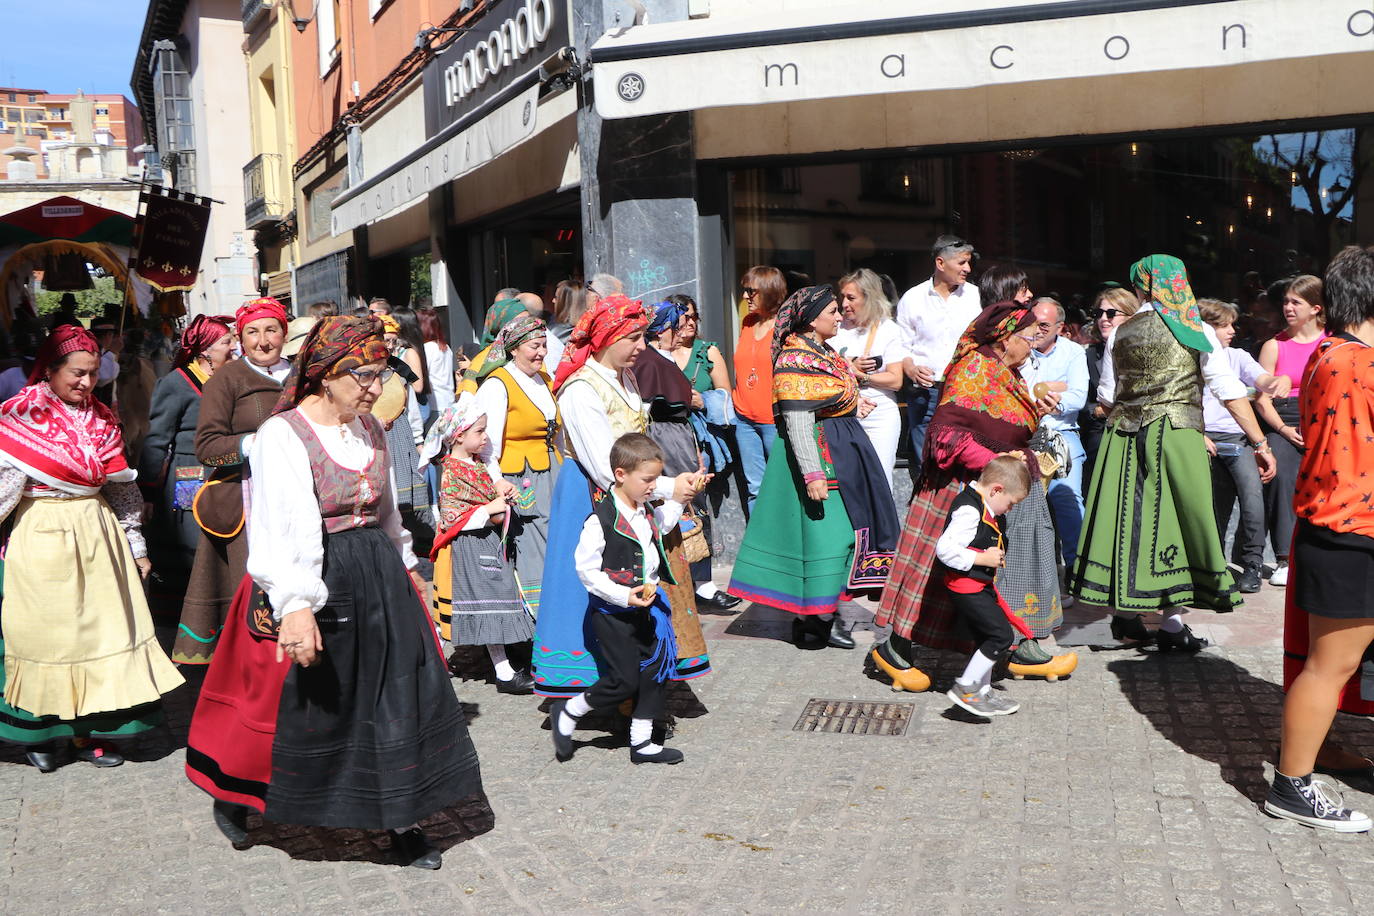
(485, 608)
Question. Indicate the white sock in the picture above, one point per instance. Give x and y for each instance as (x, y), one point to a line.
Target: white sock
(978, 670)
(1172, 622)
(504, 669)
(707, 591)
(575, 709)
(641, 731)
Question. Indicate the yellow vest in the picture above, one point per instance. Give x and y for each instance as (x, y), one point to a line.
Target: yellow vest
(526, 438)
(470, 376)
(624, 418)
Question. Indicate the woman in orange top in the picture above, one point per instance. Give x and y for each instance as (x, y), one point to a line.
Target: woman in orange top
(764, 289)
(1329, 624)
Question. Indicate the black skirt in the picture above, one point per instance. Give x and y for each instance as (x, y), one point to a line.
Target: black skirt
(1332, 573)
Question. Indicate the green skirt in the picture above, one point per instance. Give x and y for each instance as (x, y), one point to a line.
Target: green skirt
(797, 553)
(1150, 538)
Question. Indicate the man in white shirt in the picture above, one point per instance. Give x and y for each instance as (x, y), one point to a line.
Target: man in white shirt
(1058, 359)
(933, 316)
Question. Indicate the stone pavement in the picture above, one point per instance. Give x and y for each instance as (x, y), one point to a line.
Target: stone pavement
(1130, 787)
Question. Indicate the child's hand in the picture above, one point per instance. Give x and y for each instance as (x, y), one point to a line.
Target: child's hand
(643, 596)
(993, 557)
(506, 489)
(496, 508)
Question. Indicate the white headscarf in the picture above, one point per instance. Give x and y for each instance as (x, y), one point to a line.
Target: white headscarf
(452, 423)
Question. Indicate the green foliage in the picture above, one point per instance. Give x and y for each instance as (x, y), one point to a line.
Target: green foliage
(420, 288)
(89, 302)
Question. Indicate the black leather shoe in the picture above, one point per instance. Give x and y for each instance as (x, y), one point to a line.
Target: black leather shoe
(718, 602)
(43, 757)
(562, 744)
(522, 684)
(1129, 629)
(1182, 641)
(1249, 581)
(668, 755)
(839, 635)
(415, 850)
(100, 753)
(232, 821)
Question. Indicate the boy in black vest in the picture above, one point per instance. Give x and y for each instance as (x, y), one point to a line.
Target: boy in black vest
(971, 551)
(620, 559)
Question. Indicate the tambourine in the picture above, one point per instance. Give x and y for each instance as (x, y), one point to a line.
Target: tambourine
(391, 403)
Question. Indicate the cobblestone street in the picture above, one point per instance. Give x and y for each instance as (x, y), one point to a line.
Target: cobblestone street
(1129, 787)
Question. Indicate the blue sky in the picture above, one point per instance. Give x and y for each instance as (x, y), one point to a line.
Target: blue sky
(65, 45)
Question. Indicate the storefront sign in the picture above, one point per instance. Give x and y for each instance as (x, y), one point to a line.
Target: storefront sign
(512, 37)
(877, 48)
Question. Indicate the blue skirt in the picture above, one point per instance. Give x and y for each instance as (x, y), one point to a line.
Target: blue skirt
(564, 662)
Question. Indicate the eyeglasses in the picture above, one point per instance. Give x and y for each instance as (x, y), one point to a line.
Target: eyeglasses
(750, 292)
(1109, 314)
(691, 316)
(365, 377)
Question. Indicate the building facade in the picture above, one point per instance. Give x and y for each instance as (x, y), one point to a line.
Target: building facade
(46, 121)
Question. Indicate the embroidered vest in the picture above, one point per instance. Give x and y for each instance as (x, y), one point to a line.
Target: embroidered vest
(624, 418)
(989, 532)
(348, 499)
(1156, 376)
(528, 436)
(623, 557)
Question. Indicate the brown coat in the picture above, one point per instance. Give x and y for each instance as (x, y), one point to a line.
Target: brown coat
(236, 401)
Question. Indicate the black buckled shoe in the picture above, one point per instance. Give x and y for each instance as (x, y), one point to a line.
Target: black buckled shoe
(669, 755)
(718, 603)
(1129, 629)
(1182, 641)
(100, 753)
(414, 849)
(232, 821)
(521, 685)
(43, 757)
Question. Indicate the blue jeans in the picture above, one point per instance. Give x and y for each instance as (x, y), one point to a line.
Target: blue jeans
(1065, 496)
(1235, 477)
(920, 407)
(755, 441)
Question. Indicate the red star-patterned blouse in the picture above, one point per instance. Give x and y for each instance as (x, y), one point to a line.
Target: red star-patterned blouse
(1336, 478)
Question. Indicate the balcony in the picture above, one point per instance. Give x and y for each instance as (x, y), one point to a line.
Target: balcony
(253, 11)
(263, 194)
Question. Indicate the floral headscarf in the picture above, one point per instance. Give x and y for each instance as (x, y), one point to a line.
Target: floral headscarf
(801, 308)
(520, 329)
(332, 347)
(1165, 280)
(456, 419)
(498, 316)
(262, 307)
(613, 318)
(666, 315)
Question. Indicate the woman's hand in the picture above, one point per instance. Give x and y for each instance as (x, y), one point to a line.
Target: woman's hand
(1276, 386)
(1293, 435)
(818, 490)
(144, 567)
(299, 638)
(697, 402)
(866, 407)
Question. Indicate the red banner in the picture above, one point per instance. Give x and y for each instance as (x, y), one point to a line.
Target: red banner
(171, 233)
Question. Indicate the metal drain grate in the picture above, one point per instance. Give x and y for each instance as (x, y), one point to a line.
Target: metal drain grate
(851, 717)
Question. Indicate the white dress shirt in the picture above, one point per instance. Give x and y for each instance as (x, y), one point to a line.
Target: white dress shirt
(933, 325)
(285, 537)
(952, 549)
(592, 545)
(588, 428)
(1217, 375)
(1066, 362)
(493, 401)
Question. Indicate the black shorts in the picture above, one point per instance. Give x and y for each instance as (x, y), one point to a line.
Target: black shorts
(1332, 574)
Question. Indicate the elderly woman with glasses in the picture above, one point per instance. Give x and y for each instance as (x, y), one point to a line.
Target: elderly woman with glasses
(328, 702)
(985, 410)
(1150, 540)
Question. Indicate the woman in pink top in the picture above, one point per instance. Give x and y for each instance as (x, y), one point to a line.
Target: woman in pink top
(1287, 354)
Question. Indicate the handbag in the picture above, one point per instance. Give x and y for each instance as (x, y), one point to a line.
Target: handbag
(218, 505)
(695, 546)
(186, 485)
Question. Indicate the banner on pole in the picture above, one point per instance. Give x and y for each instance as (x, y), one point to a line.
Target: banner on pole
(170, 233)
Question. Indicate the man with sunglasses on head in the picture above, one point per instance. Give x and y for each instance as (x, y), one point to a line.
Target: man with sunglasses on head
(932, 315)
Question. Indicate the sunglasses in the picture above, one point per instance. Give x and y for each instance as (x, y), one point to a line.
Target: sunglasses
(1109, 314)
(749, 291)
(365, 377)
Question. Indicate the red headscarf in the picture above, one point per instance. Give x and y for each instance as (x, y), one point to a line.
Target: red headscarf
(203, 331)
(613, 318)
(333, 346)
(266, 307)
(74, 449)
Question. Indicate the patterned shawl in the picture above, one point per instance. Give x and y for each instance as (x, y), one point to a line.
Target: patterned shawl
(801, 308)
(1165, 280)
(521, 328)
(74, 449)
(332, 347)
(613, 318)
(813, 378)
(982, 397)
(498, 316)
(464, 487)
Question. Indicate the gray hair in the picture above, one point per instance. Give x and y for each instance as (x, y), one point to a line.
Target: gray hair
(947, 246)
(510, 292)
(606, 285)
(1059, 306)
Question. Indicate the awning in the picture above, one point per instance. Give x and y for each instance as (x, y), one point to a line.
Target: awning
(506, 120)
(66, 218)
(873, 48)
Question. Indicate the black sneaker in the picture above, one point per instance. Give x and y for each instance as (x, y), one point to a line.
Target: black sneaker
(1249, 581)
(1313, 803)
